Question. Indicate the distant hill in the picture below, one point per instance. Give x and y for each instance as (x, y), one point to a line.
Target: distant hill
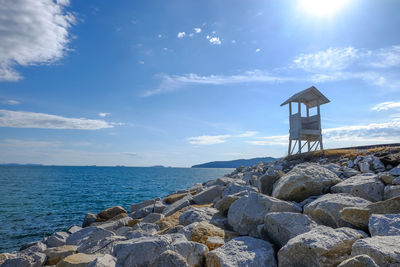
(233, 163)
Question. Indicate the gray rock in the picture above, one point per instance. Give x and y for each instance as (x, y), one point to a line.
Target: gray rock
(54, 255)
(138, 206)
(170, 258)
(364, 167)
(303, 181)
(224, 203)
(237, 187)
(319, 247)
(34, 247)
(367, 186)
(152, 218)
(326, 209)
(89, 219)
(384, 225)
(99, 245)
(103, 261)
(34, 259)
(178, 205)
(349, 172)
(243, 251)
(208, 195)
(57, 239)
(142, 212)
(359, 261)
(333, 167)
(194, 253)
(266, 182)
(193, 214)
(88, 233)
(279, 227)
(377, 165)
(187, 230)
(113, 225)
(386, 177)
(145, 251)
(159, 206)
(142, 229)
(246, 213)
(384, 250)
(395, 171)
(391, 191)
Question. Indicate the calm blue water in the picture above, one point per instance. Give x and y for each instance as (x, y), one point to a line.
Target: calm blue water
(37, 201)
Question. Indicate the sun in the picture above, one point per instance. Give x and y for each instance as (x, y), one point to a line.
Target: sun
(323, 7)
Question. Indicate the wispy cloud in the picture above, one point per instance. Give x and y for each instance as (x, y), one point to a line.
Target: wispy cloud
(181, 34)
(32, 32)
(10, 102)
(23, 119)
(386, 106)
(208, 139)
(29, 143)
(197, 30)
(215, 41)
(333, 64)
(171, 83)
(104, 114)
(247, 134)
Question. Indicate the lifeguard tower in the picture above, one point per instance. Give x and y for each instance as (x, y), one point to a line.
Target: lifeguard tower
(307, 128)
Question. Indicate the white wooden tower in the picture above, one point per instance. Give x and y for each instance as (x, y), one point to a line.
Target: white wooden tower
(308, 128)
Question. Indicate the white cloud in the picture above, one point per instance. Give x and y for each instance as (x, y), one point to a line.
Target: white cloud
(331, 59)
(174, 82)
(387, 105)
(247, 134)
(11, 102)
(215, 40)
(258, 50)
(32, 33)
(191, 34)
(270, 140)
(104, 114)
(197, 30)
(208, 139)
(24, 119)
(141, 62)
(233, 41)
(159, 35)
(181, 34)
(383, 58)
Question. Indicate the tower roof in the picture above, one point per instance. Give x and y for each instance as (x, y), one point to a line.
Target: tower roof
(310, 97)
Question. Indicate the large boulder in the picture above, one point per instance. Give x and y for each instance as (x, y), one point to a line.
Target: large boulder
(145, 251)
(152, 217)
(279, 227)
(246, 213)
(193, 214)
(359, 261)
(34, 259)
(266, 182)
(138, 206)
(367, 186)
(88, 234)
(326, 209)
(170, 258)
(303, 181)
(322, 246)
(103, 261)
(203, 230)
(208, 195)
(243, 251)
(224, 203)
(384, 225)
(78, 260)
(384, 250)
(237, 187)
(99, 245)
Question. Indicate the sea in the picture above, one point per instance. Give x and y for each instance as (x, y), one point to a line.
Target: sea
(36, 201)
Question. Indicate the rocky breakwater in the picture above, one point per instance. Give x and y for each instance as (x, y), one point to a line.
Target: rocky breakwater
(329, 212)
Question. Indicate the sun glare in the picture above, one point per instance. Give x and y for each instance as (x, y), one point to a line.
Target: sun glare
(323, 7)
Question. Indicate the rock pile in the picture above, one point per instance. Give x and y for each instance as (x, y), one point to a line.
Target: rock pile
(341, 212)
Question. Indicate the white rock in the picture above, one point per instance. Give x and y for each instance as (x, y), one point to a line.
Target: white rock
(194, 253)
(384, 225)
(193, 214)
(73, 229)
(91, 232)
(326, 209)
(99, 245)
(170, 258)
(367, 186)
(384, 250)
(303, 181)
(359, 261)
(142, 229)
(279, 227)
(322, 246)
(208, 195)
(243, 251)
(138, 206)
(178, 205)
(246, 213)
(224, 203)
(237, 187)
(364, 167)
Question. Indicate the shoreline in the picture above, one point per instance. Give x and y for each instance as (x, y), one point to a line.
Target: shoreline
(333, 209)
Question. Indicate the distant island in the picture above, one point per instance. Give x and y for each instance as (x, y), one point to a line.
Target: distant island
(234, 163)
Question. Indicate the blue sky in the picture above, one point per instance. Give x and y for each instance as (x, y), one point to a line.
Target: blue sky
(180, 82)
